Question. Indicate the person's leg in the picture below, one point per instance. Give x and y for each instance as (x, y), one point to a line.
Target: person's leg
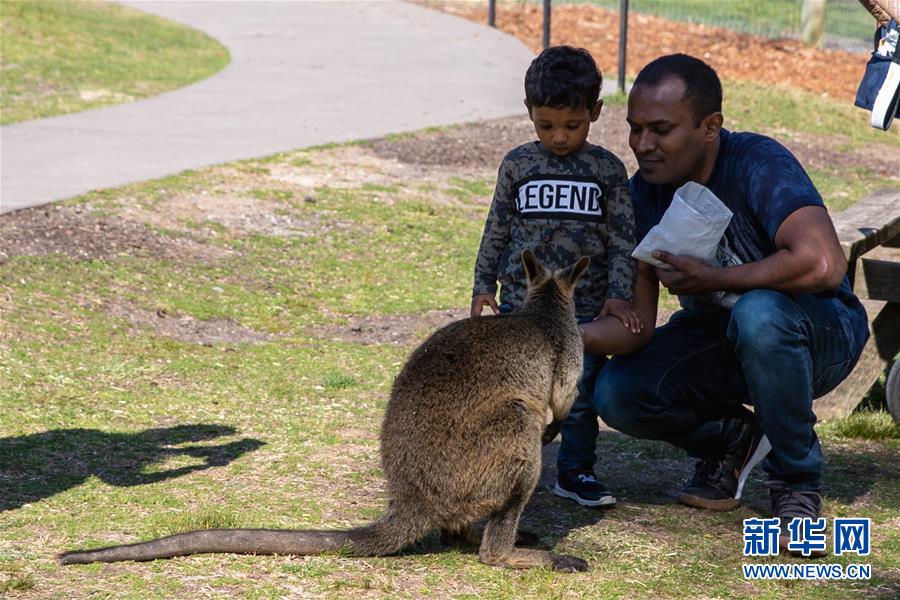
(578, 434)
(577, 454)
(791, 349)
(678, 388)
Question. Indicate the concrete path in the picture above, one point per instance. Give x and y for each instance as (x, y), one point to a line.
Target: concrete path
(301, 74)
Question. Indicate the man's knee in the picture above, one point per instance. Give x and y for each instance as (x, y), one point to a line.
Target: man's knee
(619, 397)
(764, 319)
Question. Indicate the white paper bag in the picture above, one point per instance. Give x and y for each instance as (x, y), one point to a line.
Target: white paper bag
(691, 226)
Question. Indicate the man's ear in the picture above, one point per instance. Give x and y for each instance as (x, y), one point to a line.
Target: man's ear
(712, 125)
(595, 112)
(528, 108)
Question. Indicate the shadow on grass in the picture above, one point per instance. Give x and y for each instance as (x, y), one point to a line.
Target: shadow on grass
(37, 466)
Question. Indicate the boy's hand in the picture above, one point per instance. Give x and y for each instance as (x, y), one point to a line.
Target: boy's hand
(624, 311)
(479, 301)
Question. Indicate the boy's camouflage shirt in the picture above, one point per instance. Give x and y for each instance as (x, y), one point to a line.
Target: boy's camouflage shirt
(561, 208)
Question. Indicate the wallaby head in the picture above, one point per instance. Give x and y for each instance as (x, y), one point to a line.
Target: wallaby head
(539, 276)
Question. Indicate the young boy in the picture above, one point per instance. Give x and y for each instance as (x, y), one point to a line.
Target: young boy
(564, 198)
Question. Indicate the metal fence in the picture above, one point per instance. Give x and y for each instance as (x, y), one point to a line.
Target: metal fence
(848, 26)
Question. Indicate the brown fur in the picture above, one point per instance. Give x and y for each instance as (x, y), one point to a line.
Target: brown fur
(461, 440)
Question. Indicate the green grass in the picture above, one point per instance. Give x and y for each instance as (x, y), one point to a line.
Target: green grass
(751, 107)
(867, 425)
(61, 56)
(113, 431)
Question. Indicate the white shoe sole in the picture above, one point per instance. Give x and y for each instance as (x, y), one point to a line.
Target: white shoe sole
(604, 501)
(761, 451)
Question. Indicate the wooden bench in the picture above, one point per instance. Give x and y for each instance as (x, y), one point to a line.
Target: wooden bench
(871, 225)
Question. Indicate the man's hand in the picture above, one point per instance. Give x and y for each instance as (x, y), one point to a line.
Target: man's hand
(689, 275)
(624, 311)
(479, 301)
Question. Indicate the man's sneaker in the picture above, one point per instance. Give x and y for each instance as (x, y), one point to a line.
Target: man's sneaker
(790, 504)
(582, 486)
(719, 479)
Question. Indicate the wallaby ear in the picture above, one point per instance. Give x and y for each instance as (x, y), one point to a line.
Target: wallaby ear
(533, 268)
(570, 274)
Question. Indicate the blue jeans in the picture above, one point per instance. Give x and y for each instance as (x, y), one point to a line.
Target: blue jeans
(578, 434)
(773, 350)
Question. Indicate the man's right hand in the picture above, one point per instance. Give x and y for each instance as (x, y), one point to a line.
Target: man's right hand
(479, 301)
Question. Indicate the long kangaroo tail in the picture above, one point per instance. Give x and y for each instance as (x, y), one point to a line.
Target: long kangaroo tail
(389, 534)
(235, 541)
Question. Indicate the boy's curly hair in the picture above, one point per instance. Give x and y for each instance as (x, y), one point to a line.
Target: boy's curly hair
(563, 77)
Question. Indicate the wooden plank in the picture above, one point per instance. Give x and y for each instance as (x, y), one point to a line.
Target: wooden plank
(869, 223)
(877, 279)
(883, 345)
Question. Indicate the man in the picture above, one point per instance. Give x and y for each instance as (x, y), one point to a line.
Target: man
(774, 325)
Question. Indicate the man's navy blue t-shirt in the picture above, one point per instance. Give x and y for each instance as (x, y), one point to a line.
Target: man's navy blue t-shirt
(762, 183)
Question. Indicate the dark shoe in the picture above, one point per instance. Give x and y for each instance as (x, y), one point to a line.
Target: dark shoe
(582, 486)
(789, 504)
(719, 479)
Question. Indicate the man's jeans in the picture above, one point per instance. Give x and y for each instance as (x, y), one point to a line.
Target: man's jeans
(773, 350)
(578, 434)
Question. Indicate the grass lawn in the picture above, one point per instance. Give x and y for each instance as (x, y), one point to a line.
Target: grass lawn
(215, 349)
(66, 56)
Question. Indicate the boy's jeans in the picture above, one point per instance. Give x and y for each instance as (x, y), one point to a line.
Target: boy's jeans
(578, 443)
(777, 351)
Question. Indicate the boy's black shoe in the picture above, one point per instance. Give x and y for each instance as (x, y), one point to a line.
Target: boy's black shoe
(790, 504)
(582, 486)
(719, 479)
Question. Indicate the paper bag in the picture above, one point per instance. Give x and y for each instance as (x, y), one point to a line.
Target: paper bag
(691, 226)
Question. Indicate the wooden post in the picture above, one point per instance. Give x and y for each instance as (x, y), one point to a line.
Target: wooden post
(492, 12)
(812, 21)
(546, 38)
(623, 42)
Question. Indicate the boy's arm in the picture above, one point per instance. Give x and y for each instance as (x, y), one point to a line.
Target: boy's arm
(620, 239)
(607, 336)
(496, 235)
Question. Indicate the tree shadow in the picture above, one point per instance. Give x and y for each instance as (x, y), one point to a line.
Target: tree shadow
(40, 465)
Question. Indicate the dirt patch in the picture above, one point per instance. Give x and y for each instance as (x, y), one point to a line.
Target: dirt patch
(474, 145)
(78, 233)
(408, 165)
(831, 153)
(406, 329)
(448, 147)
(185, 327)
(398, 330)
(185, 212)
(736, 56)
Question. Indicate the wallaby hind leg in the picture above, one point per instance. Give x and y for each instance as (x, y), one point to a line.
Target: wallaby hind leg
(470, 538)
(498, 543)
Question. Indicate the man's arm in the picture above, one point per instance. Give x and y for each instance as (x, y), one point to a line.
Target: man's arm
(809, 259)
(608, 335)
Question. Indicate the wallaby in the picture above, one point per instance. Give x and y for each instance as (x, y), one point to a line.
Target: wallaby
(460, 440)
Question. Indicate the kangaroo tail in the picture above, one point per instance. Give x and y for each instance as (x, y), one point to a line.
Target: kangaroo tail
(236, 541)
(393, 531)
(389, 534)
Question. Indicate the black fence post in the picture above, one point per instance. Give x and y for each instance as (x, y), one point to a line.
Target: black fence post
(492, 12)
(623, 42)
(546, 23)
